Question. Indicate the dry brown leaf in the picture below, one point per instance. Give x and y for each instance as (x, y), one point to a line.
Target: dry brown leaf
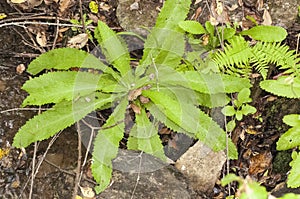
(136, 109)
(104, 6)
(197, 1)
(41, 39)
(260, 163)
(2, 88)
(64, 5)
(144, 100)
(87, 192)
(78, 41)
(20, 68)
(34, 3)
(17, 1)
(267, 18)
(134, 94)
(49, 2)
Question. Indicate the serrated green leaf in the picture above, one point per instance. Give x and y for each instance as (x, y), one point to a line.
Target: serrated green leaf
(160, 47)
(66, 58)
(67, 85)
(177, 110)
(192, 27)
(283, 86)
(61, 116)
(266, 33)
(106, 146)
(213, 136)
(144, 136)
(244, 95)
(215, 83)
(159, 115)
(172, 12)
(115, 52)
(189, 119)
(289, 139)
(228, 111)
(294, 176)
(213, 100)
(292, 119)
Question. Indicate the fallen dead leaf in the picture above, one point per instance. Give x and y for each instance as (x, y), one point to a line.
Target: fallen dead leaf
(2, 88)
(260, 163)
(136, 109)
(197, 1)
(64, 5)
(20, 68)
(18, 1)
(144, 100)
(134, 94)
(78, 41)
(41, 39)
(267, 18)
(87, 192)
(104, 6)
(34, 3)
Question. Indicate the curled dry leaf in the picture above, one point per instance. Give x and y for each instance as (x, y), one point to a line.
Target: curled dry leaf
(267, 18)
(64, 5)
(17, 1)
(136, 109)
(41, 39)
(78, 41)
(87, 192)
(144, 100)
(260, 163)
(2, 88)
(20, 68)
(134, 94)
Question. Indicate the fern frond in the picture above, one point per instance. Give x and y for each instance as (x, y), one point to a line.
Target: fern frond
(235, 57)
(277, 54)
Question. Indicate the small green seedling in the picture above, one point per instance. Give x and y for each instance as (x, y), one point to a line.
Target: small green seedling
(239, 107)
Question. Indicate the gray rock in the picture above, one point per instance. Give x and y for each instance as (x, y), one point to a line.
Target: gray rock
(166, 183)
(134, 15)
(283, 12)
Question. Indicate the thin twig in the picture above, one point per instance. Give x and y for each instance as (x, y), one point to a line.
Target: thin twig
(56, 34)
(77, 182)
(81, 15)
(33, 168)
(33, 165)
(138, 177)
(24, 109)
(23, 23)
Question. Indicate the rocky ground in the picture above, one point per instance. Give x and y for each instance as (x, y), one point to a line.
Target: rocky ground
(36, 26)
